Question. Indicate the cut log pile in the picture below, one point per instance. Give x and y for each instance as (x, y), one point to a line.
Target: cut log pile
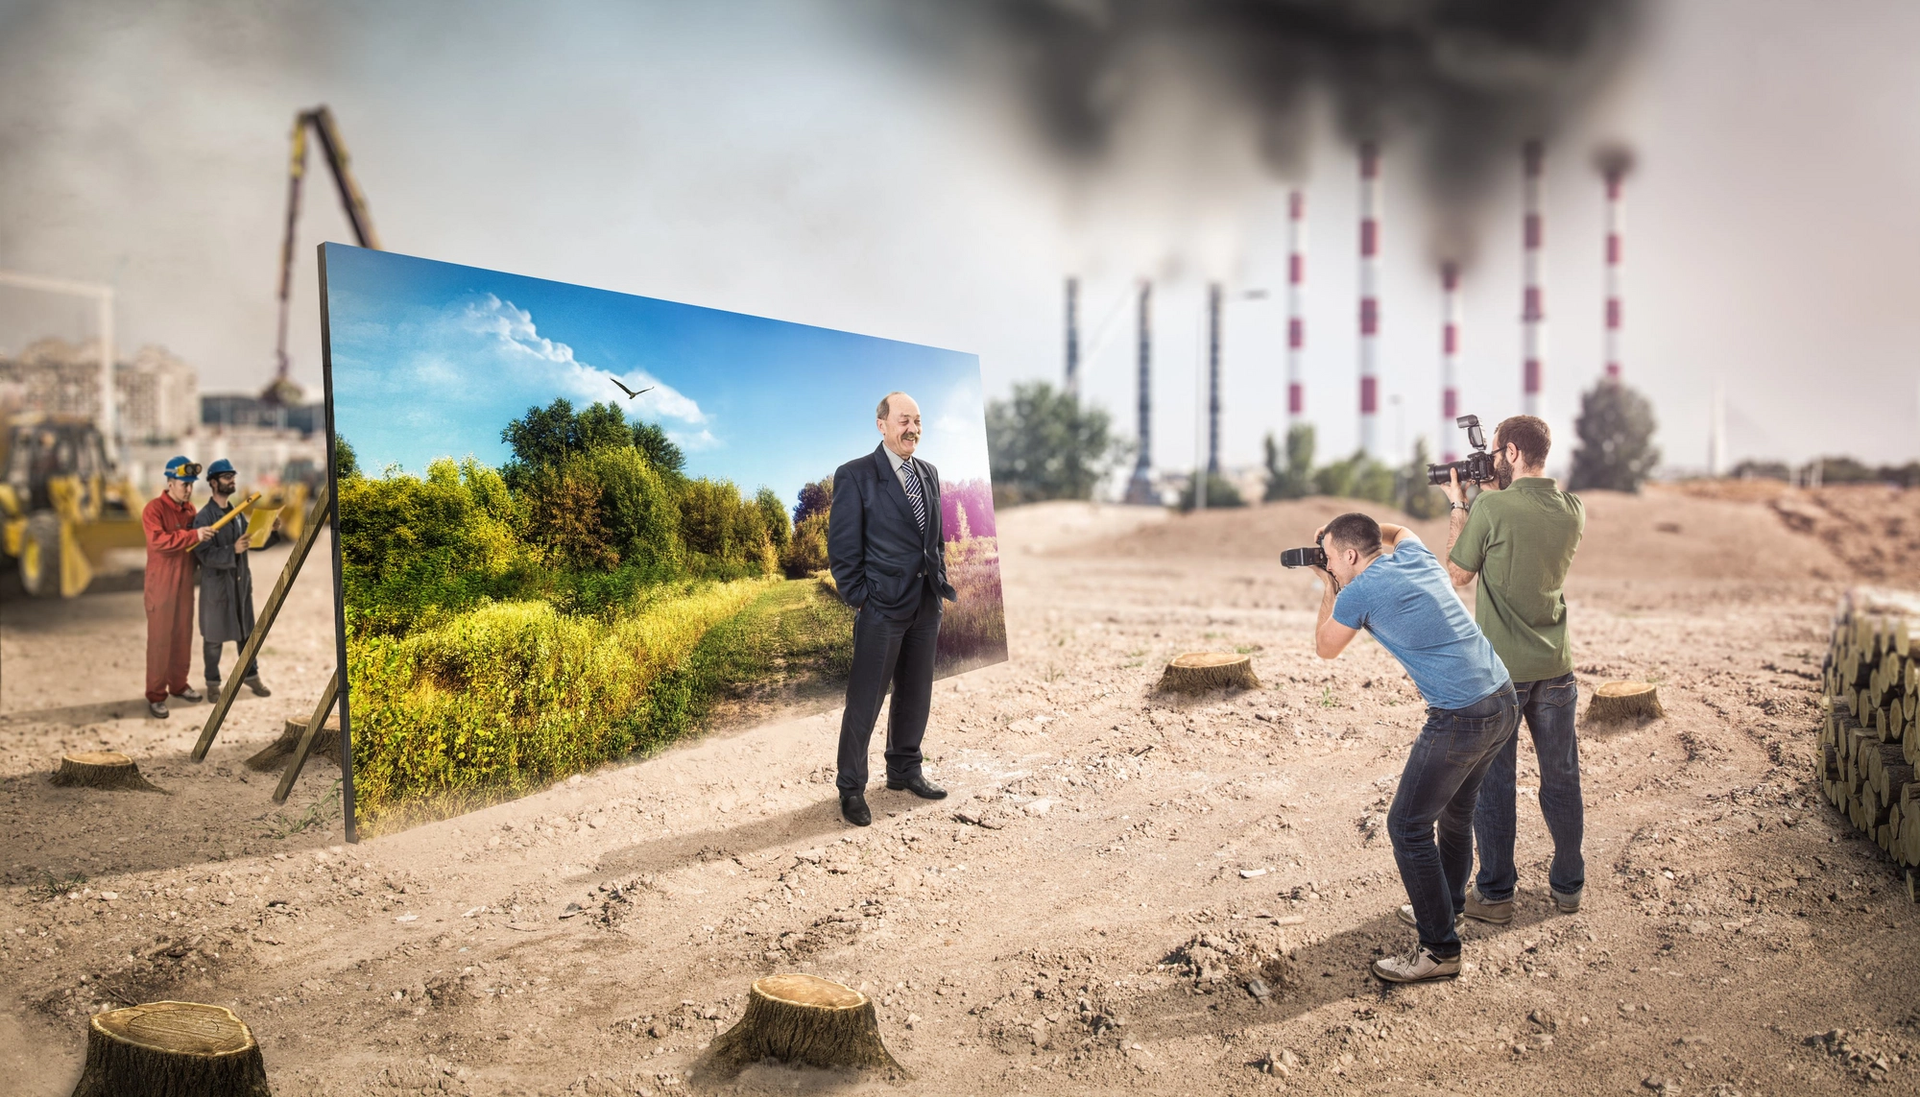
(1870, 739)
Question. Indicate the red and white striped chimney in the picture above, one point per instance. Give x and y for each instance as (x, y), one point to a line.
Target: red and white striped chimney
(1296, 305)
(1533, 319)
(1615, 173)
(1369, 298)
(1449, 358)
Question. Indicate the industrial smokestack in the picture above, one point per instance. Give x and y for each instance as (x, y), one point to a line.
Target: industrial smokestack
(1369, 297)
(1533, 319)
(1140, 488)
(1073, 336)
(1213, 378)
(1296, 304)
(1449, 358)
(1614, 165)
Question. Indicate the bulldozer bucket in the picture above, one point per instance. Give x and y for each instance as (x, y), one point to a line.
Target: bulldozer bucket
(76, 571)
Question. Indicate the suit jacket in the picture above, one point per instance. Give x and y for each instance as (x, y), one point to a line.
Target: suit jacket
(226, 582)
(881, 558)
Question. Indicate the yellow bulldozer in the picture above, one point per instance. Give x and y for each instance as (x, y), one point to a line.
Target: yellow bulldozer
(62, 507)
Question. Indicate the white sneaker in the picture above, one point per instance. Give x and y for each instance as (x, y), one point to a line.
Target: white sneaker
(1419, 966)
(1406, 915)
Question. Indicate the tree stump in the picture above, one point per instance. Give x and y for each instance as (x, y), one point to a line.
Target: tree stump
(1614, 702)
(1200, 671)
(804, 1019)
(104, 769)
(164, 1049)
(326, 745)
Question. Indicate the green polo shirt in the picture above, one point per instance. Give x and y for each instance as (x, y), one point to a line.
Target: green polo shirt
(1521, 542)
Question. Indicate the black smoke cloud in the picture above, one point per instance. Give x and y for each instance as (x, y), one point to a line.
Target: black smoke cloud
(1462, 82)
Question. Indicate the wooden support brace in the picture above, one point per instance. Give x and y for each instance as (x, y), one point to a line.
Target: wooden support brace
(264, 623)
(300, 752)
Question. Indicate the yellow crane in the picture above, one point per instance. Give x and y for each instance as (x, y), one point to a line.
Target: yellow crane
(291, 500)
(319, 120)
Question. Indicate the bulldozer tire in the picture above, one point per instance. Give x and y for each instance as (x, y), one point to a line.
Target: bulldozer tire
(40, 556)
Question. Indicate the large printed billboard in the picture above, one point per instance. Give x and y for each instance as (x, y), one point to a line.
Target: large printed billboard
(575, 524)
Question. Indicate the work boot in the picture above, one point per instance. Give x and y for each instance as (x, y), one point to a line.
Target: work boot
(190, 695)
(157, 709)
(1478, 909)
(1569, 904)
(1419, 966)
(259, 688)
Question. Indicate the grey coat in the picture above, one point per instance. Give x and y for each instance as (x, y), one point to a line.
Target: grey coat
(226, 583)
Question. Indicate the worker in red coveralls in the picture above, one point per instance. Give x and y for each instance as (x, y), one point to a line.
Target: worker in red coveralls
(171, 539)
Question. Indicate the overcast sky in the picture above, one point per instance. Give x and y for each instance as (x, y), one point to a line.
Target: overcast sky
(780, 159)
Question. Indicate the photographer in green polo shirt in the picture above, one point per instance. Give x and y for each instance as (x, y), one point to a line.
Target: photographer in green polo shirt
(1519, 541)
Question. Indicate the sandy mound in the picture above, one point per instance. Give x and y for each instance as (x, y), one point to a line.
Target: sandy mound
(1662, 533)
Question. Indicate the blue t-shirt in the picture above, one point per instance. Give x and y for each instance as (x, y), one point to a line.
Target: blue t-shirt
(1405, 600)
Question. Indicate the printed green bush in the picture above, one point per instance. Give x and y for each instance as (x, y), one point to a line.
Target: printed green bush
(413, 550)
(807, 552)
(774, 514)
(640, 515)
(564, 516)
(505, 697)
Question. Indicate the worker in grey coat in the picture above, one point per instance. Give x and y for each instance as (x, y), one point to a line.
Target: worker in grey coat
(226, 583)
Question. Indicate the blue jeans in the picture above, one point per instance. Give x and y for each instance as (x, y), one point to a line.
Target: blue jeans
(1549, 705)
(1438, 788)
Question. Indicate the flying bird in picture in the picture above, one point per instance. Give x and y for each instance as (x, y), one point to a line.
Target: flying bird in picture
(630, 393)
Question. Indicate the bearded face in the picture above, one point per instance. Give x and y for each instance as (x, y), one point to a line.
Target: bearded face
(1502, 469)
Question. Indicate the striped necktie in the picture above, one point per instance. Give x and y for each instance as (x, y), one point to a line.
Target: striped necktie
(913, 493)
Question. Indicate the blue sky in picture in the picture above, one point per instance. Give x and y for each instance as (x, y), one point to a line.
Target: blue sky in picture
(432, 359)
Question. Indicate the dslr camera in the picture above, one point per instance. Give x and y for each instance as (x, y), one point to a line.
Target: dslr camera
(1476, 467)
(1312, 557)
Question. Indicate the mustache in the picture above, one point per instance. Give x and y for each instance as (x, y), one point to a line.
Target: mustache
(910, 436)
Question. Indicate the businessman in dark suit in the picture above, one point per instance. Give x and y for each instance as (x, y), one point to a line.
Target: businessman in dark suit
(889, 561)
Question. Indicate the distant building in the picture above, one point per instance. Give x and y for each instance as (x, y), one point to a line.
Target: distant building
(56, 377)
(155, 395)
(241, 410)
(161, 413)
(159, 396)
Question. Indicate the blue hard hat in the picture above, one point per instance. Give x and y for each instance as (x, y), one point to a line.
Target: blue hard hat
(179, 468)
(219, 467)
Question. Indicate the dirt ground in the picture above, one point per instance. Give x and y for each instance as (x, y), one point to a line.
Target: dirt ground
(1086, 911)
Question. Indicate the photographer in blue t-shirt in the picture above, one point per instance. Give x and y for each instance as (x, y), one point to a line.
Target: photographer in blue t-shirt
(1382, 579)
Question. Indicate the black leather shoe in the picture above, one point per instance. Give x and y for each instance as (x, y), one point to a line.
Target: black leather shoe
(258, 687)
(919, 786)
(189, 695)
(853, 808)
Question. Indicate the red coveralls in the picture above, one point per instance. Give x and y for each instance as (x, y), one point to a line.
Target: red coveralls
(169, 594)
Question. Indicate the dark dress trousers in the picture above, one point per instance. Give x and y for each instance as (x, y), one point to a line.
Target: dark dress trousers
(894, 572)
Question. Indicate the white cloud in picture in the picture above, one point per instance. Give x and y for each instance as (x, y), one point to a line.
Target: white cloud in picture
(955, 443)
(518, 339)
